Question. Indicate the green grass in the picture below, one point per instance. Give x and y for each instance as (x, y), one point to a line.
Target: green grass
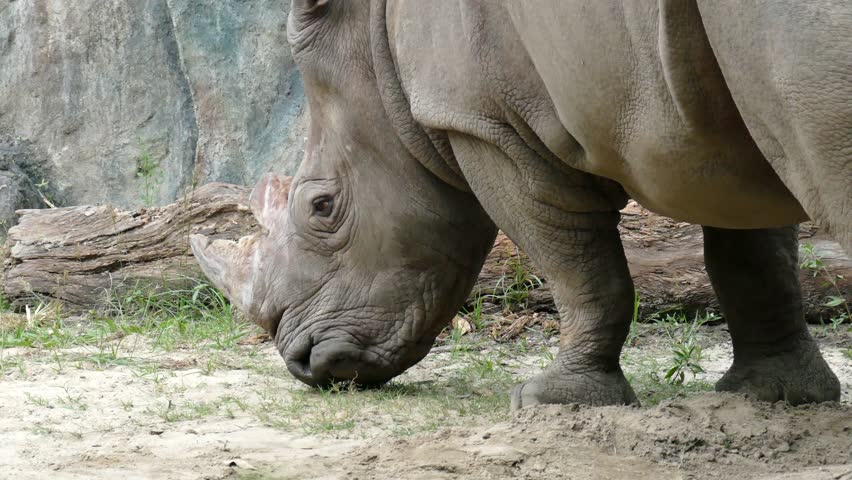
(472, 388)
(681, 335)
(38, 401)
(150, 173)
(171, 412)
(811, 260)
(199, 317)
(39, 429)
(651, 389)
(253, 475)
(5, 305)
(199, 321)
(473, 393)
(128, 333)
(474, 313)
(686, 352)
(180, 318)
(656, 380)
(72, 400)
(513, 289)
(69, 400)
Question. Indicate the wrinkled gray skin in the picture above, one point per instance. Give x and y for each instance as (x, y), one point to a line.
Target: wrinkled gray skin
(434, 121)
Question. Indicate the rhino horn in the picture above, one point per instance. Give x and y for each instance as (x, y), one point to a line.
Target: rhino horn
(231, 267)
(227, 266)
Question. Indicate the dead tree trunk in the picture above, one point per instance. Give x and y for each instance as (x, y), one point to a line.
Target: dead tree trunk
(85, 256)
(666, 260)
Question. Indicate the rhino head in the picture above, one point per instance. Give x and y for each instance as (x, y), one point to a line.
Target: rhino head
(366, 254)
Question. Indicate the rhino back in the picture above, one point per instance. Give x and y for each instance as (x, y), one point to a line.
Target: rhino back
(629, 91)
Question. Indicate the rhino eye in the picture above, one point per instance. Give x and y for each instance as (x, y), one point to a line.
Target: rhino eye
(323, 206)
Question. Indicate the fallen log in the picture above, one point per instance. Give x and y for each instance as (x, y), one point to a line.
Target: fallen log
(666, 261)
(87, 256)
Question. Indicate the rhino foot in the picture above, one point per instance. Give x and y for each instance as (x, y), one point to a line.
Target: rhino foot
(595, 388)
(797, 375)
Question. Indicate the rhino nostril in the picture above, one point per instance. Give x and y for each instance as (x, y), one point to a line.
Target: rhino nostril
(334, 361)
(299, 364)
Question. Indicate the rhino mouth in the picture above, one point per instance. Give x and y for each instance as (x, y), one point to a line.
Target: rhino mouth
(338, 359)
(331, 361)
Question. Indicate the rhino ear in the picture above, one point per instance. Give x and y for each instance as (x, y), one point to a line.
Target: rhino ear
(269, 199)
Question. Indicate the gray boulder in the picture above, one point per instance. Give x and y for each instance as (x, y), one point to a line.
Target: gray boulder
(17, 187)
(134, 102)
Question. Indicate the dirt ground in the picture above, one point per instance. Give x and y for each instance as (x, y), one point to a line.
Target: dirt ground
(702, 436)
(125, 409)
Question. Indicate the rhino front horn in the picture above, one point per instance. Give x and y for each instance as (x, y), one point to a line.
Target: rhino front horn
(226, 264)
(235, 267)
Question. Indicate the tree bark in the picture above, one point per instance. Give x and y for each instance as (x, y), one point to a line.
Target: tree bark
(666, 260)
(87, 256)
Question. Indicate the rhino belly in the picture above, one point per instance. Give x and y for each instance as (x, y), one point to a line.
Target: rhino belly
(710, 181)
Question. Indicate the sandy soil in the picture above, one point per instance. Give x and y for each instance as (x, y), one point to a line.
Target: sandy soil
(702, 436)
(171, 415)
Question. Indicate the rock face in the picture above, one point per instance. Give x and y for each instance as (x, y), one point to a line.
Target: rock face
(131, 102)
(18, 185)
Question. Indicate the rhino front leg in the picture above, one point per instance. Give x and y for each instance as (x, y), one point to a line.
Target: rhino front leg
(594, 293)
(566, 221)
(755, 276)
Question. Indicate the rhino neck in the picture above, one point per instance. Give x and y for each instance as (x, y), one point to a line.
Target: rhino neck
(430, 147)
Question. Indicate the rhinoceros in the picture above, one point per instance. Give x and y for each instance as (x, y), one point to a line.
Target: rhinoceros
(434, 123)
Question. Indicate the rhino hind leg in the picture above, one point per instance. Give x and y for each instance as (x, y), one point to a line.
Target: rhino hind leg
(755, 276)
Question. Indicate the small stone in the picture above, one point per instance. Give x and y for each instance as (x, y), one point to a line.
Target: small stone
(242, 464)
